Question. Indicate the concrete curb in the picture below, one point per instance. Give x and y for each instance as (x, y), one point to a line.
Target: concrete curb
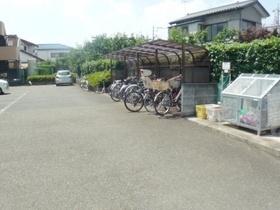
(265, 142)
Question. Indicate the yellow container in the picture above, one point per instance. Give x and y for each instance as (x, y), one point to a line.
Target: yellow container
(201, 111)
(201, 115)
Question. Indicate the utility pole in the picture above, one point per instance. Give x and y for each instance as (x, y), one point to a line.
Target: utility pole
(155, 29)
(276, 17)
(185, 5)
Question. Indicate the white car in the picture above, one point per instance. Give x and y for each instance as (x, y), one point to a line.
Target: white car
(4, 86)
(63, 77)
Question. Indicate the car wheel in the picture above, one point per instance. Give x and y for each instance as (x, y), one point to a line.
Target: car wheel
(1, 91)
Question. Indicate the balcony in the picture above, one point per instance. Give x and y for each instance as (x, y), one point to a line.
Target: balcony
(9, 53)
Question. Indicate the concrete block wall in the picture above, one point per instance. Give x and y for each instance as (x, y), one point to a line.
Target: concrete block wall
(195, 94)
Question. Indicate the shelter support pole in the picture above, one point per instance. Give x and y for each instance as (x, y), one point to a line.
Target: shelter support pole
(187, 73)
(157, 66)
(183, 59)
(125, 68)
(137, 66)
(111, 70)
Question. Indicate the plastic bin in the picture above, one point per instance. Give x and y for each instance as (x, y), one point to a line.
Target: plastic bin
(213, 113)
(201, 110)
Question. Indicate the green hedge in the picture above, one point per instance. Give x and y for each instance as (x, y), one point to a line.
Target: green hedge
(259, 57)
(41, 78)
(46, 78)
(96, 79)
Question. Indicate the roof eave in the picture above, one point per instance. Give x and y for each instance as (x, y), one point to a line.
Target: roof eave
(255, 3)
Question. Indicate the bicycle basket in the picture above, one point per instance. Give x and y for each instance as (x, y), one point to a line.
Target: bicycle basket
(174, 83)
(160, 85)
(147, 82)
(145, 72)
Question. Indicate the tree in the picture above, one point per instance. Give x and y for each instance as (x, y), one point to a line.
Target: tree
(182, 37)
(198, 37)
(178, 36)
(88, 58)
(46, 68)
(253, 33)
(226, 36)
(75, 59)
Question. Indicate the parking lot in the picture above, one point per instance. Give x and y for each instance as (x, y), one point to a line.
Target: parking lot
(65, 148)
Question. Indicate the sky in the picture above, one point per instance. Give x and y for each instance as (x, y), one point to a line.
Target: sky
(74, 22)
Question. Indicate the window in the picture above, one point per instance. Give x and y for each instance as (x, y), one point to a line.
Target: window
(185, 27)
(58, 55)
(214, 29)
(248, 24)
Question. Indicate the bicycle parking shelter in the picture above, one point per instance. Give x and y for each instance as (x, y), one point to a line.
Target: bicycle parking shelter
(167, 59)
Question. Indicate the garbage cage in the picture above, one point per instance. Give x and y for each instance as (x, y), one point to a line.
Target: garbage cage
(252, 101)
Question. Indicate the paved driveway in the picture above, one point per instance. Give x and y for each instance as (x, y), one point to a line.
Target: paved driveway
(64, 148)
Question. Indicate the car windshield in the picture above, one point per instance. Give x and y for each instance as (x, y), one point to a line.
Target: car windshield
(63, 73)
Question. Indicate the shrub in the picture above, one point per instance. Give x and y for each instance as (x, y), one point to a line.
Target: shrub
(96, 79)
(257, 57)
(41, 78)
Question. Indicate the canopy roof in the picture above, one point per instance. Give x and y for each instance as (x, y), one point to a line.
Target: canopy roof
(156, 48)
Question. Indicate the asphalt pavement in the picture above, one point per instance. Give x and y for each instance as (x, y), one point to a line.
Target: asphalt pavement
(65, 148)
(266, 141)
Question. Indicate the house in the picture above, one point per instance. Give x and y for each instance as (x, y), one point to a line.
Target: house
(18, 57)
(240, 15)
(52, 51)
(28, 51)
(9, 55)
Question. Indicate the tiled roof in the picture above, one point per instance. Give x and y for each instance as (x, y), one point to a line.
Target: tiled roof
(223, 9)
(53, 47)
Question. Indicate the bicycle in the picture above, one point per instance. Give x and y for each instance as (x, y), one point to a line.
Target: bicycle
(111, 86)
(84, 84)
(103, 89)
(141, 95)
(118, 91)
(169, 96)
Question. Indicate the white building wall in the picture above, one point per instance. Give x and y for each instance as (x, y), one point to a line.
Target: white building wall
(47, 54)
(25, 57)
(251, 14)
(220, 18)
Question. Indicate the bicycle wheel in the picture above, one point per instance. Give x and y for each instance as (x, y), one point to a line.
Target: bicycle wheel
(179, 104)
(162, 103)
(134, 101)
(110, 89)
(132, 88)
(149, 102)
(115, 92)
(84, 86)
